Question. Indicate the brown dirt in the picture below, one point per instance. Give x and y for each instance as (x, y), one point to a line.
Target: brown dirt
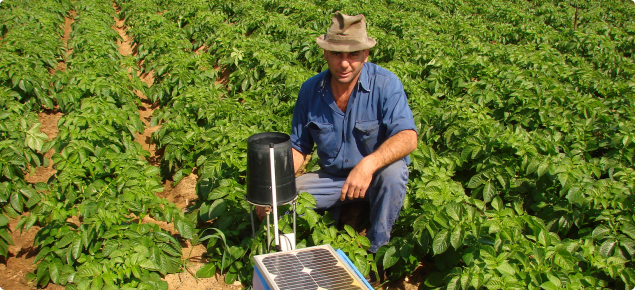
(68, 21)
(202, 49)
(223, 78)
(20, 261)
(194, 256)
(125, 46)
(410, 282)
(183, 194)
(48, 119)
(145, 138)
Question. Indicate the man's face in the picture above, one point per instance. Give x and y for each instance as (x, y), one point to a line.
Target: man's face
(345, 66)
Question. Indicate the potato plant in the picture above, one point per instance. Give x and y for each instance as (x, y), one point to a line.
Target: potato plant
(523, 177)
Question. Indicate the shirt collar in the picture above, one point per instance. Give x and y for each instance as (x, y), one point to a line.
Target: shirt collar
(363, 81)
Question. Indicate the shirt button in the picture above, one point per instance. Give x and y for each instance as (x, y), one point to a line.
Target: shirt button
(346, 160)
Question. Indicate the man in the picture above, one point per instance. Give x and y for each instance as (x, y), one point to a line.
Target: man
(358, 116)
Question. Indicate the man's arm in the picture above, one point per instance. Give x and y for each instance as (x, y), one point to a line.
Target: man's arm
(298, 159)
(394, 148)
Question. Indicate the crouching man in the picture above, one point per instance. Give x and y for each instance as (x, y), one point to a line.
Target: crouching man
(357, 116)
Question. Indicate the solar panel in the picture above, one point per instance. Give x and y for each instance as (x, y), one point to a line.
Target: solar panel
(313, 268)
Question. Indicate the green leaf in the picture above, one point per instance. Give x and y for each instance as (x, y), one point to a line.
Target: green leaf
(17, 201)
(185, 228)
(549, 286)
(217, 208)
(405, 251)
(33, 201)
(363, 241)
(454, 211)
(466, 152)
(149, 264)
(475, 181)
(207, 271)
(43, 274)
(55, 270)
(506, 268)
(97, 283)
(628, 229)
(601, 231)
(542, 168)
(497, 203)
(170, 249)
(454, 283)
(489, 192)
(152, 171)
(350, 231)
(532, 167)
(218, 192)
(4, 234)
(457, 238)
(4, 249)
(390, 257)
(230, 277)
(35, 139)
(311, 217)
(3, 220)
(76, 247)
(41, 254)
(440, 243)
(361, 263)
(607, 247)
(539, 254)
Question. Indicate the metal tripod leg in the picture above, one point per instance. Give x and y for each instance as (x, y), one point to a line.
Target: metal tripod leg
(268, 235)
(294, 218)
(253, 226)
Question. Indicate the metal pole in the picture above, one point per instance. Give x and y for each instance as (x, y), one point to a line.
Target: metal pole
(253, 226)
(268, 235)
(296, 234)
(274, 197)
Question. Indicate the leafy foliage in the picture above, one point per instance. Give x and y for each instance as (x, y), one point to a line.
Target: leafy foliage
(523, 177)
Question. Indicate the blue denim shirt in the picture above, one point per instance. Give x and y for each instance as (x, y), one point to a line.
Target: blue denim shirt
(377, 109)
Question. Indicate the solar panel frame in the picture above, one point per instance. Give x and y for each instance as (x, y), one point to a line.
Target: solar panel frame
(312, 268)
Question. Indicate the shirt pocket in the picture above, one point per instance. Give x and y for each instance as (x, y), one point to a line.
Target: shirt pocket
(325, 139)
(365, 134)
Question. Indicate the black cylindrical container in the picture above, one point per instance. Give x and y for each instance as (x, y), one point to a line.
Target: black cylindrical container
(259, 168)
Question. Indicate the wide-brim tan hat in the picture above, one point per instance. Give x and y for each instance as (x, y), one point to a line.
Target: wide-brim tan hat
(346, 34)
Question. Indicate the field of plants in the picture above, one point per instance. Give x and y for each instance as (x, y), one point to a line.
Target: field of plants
(524, 177)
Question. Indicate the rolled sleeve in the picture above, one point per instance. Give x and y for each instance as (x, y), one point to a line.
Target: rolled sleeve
(396, 113)
(301, 139)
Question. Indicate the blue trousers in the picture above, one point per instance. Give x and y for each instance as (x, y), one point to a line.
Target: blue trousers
(385, 195)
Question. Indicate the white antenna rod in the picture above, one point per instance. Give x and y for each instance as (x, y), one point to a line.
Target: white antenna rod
(274, 194)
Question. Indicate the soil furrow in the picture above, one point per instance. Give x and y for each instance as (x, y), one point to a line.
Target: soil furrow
(183, 194)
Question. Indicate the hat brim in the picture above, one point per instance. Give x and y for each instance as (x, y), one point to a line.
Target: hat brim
(345, 46)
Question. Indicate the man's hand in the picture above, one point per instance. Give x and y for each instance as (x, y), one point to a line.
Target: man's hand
(261, 211)
(396, 147)
(357, 181)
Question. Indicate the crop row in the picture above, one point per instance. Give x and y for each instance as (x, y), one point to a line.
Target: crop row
(29, 36)
(92, 211)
